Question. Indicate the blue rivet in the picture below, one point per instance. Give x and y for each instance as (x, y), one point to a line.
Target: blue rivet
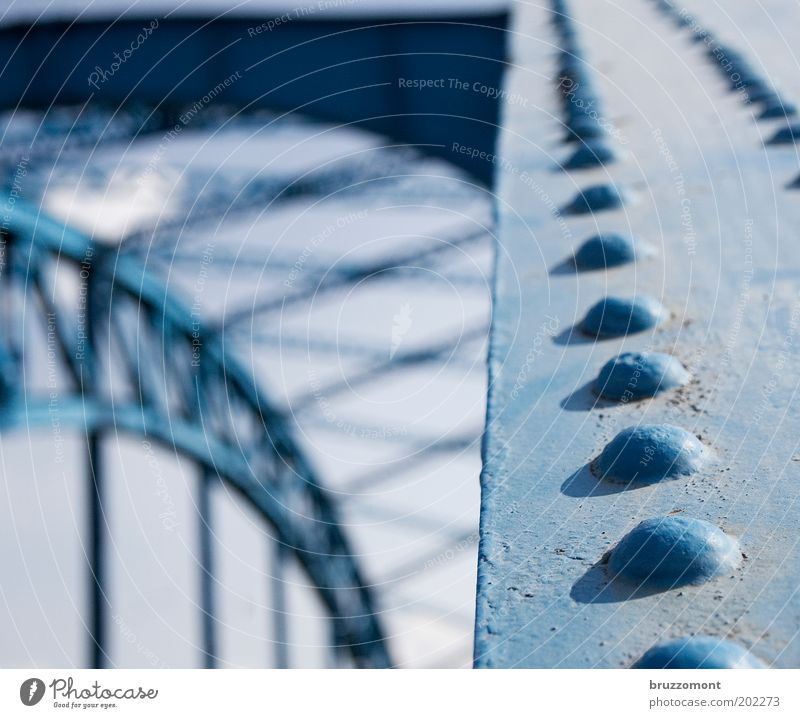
(574, 69)
(616, 317)
(763, 94)
(703, 36)
(595, 198)
(672, 551)
(744, 76)
(724, 55)
(749, 80)
(638, 375)
(592, 153)
(568, 32)
(608, 250)
(785, 135)
(9, 381)
(649, 453)
(579, 102)
(577, 121)
(777, 109)
(583, 128)
(698, 652)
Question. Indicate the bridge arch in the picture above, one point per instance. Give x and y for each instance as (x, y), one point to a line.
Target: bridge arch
(174, 395)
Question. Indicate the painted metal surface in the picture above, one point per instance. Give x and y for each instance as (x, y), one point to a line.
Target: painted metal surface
(710, 577)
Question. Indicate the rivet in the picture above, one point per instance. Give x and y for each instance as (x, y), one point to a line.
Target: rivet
(785, 135)
(649, 453)
(583, 128)
(777, 109)
(698, 652)
(638, 375)
(763, 95)
(571, 67)
(744, 76)
(723, 54)
(592, 153)
(595, 199)
(703, 36)
(569, 35)
(608, 250)
(671, 551)
(615, 316)
(8, 380)
(581, 100)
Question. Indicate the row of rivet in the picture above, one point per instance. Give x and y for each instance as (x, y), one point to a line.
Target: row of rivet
(666, 552)
(581, 103)
(739, 73)
(744, 78)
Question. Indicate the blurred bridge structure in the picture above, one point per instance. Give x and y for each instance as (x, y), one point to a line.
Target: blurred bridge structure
(190, 203)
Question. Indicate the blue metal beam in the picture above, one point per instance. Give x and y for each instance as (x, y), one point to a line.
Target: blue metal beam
(666, 546)
(346, 71)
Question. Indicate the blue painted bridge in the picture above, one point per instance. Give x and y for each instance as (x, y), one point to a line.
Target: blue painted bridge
(641, 475)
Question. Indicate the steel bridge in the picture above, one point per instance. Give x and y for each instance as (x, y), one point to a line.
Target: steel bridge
(639, 486)
(640, 483)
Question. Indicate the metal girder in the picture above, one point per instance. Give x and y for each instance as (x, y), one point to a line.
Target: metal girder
(595, 550)
(343, 70)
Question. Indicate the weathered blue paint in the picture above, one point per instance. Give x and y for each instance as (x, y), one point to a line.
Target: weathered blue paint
(592, 153)
(609, 249)
(596, 198)
(716, 206)
(648, 453)
(618, 316)
(671, 551)
(639, 375)
(698, 652)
